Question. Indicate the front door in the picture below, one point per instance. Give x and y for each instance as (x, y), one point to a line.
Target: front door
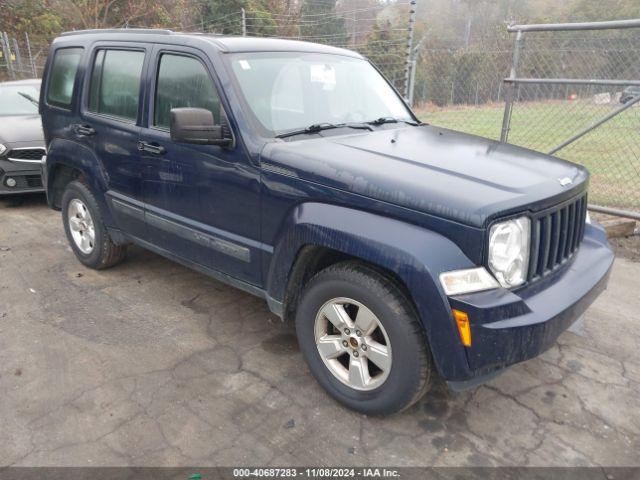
(199, 204)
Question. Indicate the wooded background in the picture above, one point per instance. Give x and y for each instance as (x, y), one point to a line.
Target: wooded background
(461, 51)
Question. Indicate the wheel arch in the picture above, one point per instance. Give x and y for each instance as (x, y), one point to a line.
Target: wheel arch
(317, 235)
(68, 161)
(60, 176)
(312, 259)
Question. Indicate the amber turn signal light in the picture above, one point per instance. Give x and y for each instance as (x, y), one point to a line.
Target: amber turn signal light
(464, 329)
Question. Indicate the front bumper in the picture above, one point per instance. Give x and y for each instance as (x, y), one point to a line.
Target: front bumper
(27, 175)
(508, 327)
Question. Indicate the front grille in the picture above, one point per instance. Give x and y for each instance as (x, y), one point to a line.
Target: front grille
(27, 154)
(556, 235)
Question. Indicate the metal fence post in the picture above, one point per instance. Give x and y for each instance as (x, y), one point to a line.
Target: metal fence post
(244, 22)
(409, 59)
(34, 70)
(18, 55)
(7, 53)
(412, 82)
(511, 88)
(3, 51)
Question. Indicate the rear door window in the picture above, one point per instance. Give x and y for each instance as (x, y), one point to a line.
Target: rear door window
(115, 83)
(183, 81)
(63, 76)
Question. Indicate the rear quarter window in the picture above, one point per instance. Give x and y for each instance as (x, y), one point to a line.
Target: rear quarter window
(115, 83)
(63, 76)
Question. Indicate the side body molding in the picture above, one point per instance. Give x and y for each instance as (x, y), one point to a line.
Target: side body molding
(416, 255)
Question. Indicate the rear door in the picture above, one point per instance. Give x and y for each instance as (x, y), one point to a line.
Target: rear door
(110, 123)
(198, 201)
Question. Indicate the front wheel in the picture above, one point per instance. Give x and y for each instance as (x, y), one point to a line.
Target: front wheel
(362, 340)
(85, 229)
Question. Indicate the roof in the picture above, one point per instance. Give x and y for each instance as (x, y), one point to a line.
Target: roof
(30, 81)
(261, 44)
(227, 44)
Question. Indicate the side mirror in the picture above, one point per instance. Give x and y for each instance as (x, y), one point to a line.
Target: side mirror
(196, 125)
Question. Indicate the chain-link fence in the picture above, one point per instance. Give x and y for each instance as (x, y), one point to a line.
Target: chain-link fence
(575, 99)
(460, 85)
(21, 58)
(383, 32)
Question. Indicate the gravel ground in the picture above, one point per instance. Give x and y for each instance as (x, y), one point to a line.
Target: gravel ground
(152, 364)
(628, 247)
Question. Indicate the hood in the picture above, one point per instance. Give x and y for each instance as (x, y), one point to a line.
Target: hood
(449, 174)
(21, 128)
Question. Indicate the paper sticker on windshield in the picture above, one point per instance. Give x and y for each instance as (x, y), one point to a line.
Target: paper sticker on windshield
(244, 65)
(324, 74)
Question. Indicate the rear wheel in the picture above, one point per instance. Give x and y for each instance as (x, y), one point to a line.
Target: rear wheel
(362, 340)
(85, 229)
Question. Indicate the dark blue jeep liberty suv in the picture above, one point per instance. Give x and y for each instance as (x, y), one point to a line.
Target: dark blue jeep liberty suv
(294, 171)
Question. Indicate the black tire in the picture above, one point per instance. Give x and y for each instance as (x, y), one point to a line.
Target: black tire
(411, 368)
(105, 253)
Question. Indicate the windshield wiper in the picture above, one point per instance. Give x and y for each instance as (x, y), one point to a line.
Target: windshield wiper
(319, 127)
(30, 98)
(383, 120)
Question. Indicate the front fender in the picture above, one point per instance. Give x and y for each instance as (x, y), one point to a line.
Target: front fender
(74, 155)
(415, 254)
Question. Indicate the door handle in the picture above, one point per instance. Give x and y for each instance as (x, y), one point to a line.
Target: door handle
(85, 130)
(151, 148)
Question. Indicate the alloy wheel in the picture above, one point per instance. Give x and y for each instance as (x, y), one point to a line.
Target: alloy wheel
(353, 344)
(81, 226)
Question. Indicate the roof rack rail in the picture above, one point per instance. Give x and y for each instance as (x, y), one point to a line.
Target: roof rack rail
(147, 31)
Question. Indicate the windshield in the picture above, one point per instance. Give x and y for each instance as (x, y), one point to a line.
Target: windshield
(291, 91)
(13, 103)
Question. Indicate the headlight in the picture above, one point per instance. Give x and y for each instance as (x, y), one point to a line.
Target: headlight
(2, 149)
(471, 280)
(509, 251)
